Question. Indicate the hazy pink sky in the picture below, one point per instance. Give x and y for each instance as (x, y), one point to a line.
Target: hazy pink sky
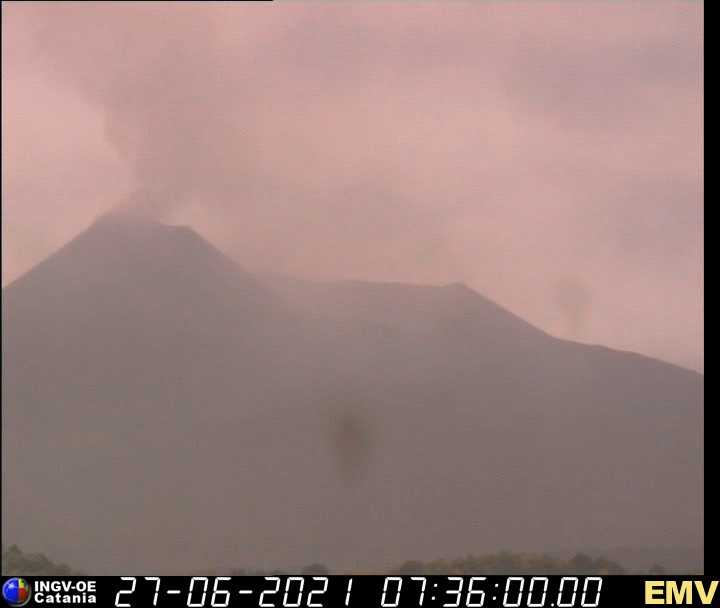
(547, 154)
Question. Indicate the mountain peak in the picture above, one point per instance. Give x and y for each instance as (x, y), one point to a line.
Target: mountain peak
(130, 219)
(127, 245)
(123, 215)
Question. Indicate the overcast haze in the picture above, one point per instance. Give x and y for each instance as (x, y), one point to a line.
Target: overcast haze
(548, 155)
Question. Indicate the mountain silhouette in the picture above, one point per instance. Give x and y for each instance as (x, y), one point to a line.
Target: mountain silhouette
(165, 410)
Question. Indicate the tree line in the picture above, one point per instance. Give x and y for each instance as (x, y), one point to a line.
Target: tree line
(17, 562)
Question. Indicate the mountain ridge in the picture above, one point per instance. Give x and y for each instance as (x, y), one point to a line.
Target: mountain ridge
(166, 386)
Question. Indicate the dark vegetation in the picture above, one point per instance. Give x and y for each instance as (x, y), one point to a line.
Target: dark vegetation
(512, 563)
(16, 562)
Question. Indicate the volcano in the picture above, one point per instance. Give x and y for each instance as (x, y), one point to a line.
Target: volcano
(165, 410)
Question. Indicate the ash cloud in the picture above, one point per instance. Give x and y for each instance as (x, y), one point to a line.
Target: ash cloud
(504, 146)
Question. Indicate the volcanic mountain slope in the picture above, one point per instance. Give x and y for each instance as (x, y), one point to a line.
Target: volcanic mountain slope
(164, 410)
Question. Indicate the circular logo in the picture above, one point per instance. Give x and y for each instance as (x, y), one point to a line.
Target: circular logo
(16, 591)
